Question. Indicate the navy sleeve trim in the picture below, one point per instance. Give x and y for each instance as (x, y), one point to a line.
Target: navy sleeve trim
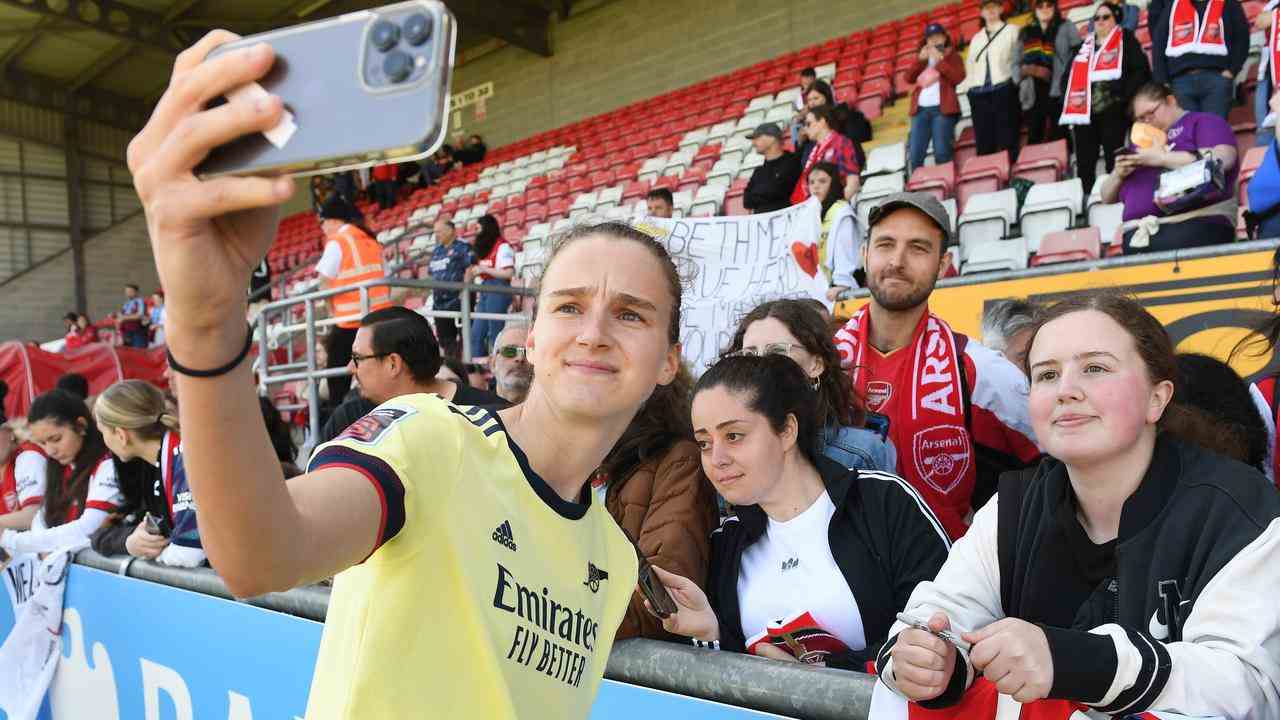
(385, 481)
(1151, 679)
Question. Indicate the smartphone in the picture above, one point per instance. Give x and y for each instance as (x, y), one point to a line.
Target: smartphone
(651, 587)
(947, 635)
(152, 524)
(1125, 151)
(363, 88)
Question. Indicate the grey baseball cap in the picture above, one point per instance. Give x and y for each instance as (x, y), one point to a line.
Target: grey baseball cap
(924, 202)
(770, 129)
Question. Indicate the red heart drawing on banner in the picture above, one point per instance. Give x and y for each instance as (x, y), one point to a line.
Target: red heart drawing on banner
(806, 255)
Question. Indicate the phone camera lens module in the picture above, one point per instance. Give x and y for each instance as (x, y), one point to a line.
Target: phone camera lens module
(417, 29)
(385, 35)
(398, 66)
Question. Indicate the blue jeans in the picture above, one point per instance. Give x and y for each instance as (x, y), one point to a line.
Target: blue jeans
(1261, 99)
(1204, 91)
(484, 333)
(859, 449)
(929, 124)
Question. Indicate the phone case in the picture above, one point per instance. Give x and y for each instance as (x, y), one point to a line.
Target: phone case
(333, 77)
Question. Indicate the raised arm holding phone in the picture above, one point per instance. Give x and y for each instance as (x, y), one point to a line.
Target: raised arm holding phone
(386, 507)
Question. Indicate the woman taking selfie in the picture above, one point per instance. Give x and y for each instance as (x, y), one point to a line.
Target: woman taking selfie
(819, 558)
(796, 329)
(160, 516)
(1131, 570)
(81, 481)
(392, 506)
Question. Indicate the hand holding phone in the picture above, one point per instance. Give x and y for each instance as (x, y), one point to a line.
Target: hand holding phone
(152, 524)
(651, 587)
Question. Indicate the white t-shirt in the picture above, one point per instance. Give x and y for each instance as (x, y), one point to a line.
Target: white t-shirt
(930, 95)
(331, 261)
(790, 570)
(28, 473)
(103, 498)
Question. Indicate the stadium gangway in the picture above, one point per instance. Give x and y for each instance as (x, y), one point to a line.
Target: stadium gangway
(305, 369)
(787, 689)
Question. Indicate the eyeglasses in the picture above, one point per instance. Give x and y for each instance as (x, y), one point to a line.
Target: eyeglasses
(357, 358)
(1147, 116)
(512, 352)
(778, 348)
(1100, 18)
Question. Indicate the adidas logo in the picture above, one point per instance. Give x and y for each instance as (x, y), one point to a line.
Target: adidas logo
(594, 576)
(790, 564)
(502, 536)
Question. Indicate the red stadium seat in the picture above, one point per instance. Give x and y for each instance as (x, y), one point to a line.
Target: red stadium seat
(872, 106)
(982, 174)
(1046, 162)
(940, 180)
(880, 87)
(1068, 246)
(635, 190)
(535, 212)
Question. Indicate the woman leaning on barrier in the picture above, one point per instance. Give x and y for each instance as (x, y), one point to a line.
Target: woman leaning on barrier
(819, 558)
(1132, 570)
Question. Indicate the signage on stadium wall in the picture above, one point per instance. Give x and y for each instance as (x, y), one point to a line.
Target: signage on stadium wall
(1208, 304)
(471, 96)
(136, 649)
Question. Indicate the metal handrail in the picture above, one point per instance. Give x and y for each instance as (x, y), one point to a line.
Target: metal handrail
(306, 369)
(746, 681)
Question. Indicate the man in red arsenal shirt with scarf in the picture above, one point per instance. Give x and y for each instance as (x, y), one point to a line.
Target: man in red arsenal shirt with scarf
(957, 410)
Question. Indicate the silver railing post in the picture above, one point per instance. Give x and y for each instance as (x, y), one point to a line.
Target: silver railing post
(313, 387)
(464, 319)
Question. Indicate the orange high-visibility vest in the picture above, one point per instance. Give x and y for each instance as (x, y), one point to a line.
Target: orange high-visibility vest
(361, 261)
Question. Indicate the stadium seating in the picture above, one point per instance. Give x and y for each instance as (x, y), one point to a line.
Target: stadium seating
(1046, 162)
(1050, 207)
(940, 180)
(1068, 246)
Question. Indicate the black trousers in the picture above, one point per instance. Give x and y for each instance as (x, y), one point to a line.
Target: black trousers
(1042, 118)
(996, 120)
(1105, 133)
(338, 347)
(1197, 232)
(447, 334)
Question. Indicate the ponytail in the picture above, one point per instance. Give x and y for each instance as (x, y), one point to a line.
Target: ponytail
(137, 406)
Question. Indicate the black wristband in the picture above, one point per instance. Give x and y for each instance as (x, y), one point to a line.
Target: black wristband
(189, 372)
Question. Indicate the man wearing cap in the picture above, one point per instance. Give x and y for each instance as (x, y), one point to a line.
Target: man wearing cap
(771, 184)
(351, 256)
(935, 109)
(957, 410)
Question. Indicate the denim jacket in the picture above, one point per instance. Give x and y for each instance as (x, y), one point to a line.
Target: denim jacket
(860, 448)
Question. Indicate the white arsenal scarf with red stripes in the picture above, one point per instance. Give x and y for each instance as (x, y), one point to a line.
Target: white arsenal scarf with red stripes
(935, 452)
(1092, 64)
(1190, 32)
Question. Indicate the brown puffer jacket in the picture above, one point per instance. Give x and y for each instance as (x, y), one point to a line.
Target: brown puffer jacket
(669, 507)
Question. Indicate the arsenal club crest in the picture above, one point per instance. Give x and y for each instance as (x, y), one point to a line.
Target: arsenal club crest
(942, 454)
(878, 393)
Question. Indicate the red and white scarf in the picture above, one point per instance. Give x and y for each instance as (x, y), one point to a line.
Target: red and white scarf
(1191, 33)
(1090, 66)
(800, 192)
(935, 452)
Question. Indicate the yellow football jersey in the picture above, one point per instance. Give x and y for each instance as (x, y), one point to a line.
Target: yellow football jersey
(488, 596)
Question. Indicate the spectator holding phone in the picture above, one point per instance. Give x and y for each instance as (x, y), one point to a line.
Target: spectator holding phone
(159, 517)
(81, 477)
(935, 109)
(1191, 137)
(1126, 566)
(22, 486)
(796, 329)
(652, 484)
(819, 558)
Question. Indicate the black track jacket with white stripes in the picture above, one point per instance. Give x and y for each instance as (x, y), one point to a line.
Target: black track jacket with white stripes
(1191, 625)
(884, 539)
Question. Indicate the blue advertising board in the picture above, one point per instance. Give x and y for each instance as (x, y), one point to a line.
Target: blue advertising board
(135, 649)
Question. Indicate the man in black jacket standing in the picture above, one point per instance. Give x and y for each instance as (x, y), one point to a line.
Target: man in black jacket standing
(771, 184)
(1198, 63)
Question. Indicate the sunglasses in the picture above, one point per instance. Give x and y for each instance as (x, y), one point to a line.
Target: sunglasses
(1100, 18)
(511, 352)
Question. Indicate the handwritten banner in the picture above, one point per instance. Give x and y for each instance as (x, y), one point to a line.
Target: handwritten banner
(732, 264)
